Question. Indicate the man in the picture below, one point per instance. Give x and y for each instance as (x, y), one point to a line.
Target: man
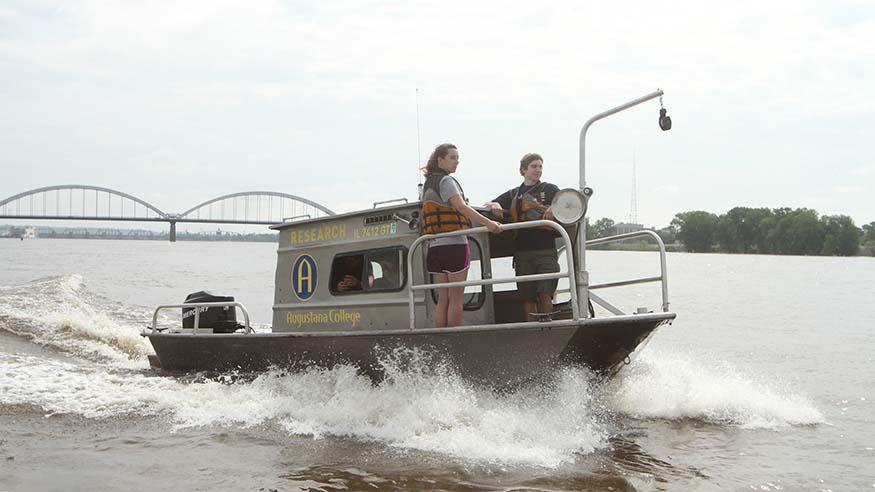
(389, 278)
(347, 273)
(535, 248)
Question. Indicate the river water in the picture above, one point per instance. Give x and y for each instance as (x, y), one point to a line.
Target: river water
(764, 382)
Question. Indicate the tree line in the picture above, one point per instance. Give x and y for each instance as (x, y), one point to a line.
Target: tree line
(782, 231)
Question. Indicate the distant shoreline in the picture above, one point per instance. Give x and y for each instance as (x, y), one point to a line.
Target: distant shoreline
(675, 247)
(679, 248)
(179, 237)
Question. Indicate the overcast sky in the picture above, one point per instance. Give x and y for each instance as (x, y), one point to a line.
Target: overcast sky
(180, 102)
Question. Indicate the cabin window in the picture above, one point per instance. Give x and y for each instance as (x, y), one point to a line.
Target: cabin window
(475, 295)
(377, 270)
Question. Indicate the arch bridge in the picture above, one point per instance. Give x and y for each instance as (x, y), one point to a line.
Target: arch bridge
(95, 203)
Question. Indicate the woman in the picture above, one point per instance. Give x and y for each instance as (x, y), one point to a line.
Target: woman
(445, 209)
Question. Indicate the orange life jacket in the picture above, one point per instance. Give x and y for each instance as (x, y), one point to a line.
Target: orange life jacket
(439, 216)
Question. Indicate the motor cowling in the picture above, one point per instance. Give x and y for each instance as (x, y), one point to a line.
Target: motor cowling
(222, 319)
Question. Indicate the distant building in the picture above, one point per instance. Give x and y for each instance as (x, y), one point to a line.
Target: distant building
(27, 232)
(623, 228)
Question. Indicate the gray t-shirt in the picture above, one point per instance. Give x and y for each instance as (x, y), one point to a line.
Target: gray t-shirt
(449, 188)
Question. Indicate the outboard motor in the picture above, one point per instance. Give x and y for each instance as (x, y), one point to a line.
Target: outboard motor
(222, 319)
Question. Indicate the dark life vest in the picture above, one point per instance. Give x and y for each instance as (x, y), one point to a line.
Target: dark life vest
(528, 205)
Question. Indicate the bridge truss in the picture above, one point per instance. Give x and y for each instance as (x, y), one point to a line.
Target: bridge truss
(95, 203)
(78, 202)
(254, 207)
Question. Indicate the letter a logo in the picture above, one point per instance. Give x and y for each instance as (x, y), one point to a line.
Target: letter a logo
(304, 277)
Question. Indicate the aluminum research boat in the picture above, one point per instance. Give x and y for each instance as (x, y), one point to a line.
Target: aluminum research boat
(318, 319)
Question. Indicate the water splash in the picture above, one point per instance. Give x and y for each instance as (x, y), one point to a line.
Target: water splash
(60, 312)
(422, 404)
(541, 426)
(671, 386)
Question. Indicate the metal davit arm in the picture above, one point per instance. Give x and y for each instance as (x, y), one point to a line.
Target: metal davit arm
(599, 116)
(583, 276)
(411, 288)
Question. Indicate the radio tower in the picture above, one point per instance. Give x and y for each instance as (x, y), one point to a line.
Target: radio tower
(633, 213)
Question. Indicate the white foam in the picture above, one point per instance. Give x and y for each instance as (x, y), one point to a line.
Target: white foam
(421, 410)
(672, 386)
(422, 405)
(90, 391)
(61, 313)
(440, 412)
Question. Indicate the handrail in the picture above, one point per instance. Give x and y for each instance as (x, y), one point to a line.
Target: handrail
(411, 288)
(663, 275)
(197, 313)
(296, 217)
(532, 277)
(390, 201)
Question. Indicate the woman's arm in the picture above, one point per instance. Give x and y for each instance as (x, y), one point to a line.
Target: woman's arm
(459, 204)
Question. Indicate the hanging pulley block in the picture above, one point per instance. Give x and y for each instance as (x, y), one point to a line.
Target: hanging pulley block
(664, 120)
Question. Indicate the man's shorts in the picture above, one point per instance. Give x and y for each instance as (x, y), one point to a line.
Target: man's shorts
(449, 258)
(537, 261)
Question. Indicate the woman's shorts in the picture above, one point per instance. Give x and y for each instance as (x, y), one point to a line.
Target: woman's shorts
(449, 258)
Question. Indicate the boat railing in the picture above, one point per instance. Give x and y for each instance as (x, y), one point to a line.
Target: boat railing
(663, 273)
(569, 273)
(197, 313)
(384, 202)
(296, 217)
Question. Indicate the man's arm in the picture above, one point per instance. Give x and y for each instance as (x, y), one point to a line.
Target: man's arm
(549, 192)
(500, 203)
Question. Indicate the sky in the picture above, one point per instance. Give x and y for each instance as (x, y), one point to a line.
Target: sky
(341, 102)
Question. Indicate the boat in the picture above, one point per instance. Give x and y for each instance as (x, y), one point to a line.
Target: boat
(320, 321)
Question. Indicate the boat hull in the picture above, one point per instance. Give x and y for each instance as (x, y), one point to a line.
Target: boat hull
(495, 354)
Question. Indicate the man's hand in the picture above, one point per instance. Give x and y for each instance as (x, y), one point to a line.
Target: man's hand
(348, 283)
(548, 214)
(495, 208)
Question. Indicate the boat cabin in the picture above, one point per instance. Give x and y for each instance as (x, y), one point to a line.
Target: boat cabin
(350, 272)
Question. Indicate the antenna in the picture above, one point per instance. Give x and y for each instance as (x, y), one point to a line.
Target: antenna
(418, 148)
(418, 145)
(633, 213)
